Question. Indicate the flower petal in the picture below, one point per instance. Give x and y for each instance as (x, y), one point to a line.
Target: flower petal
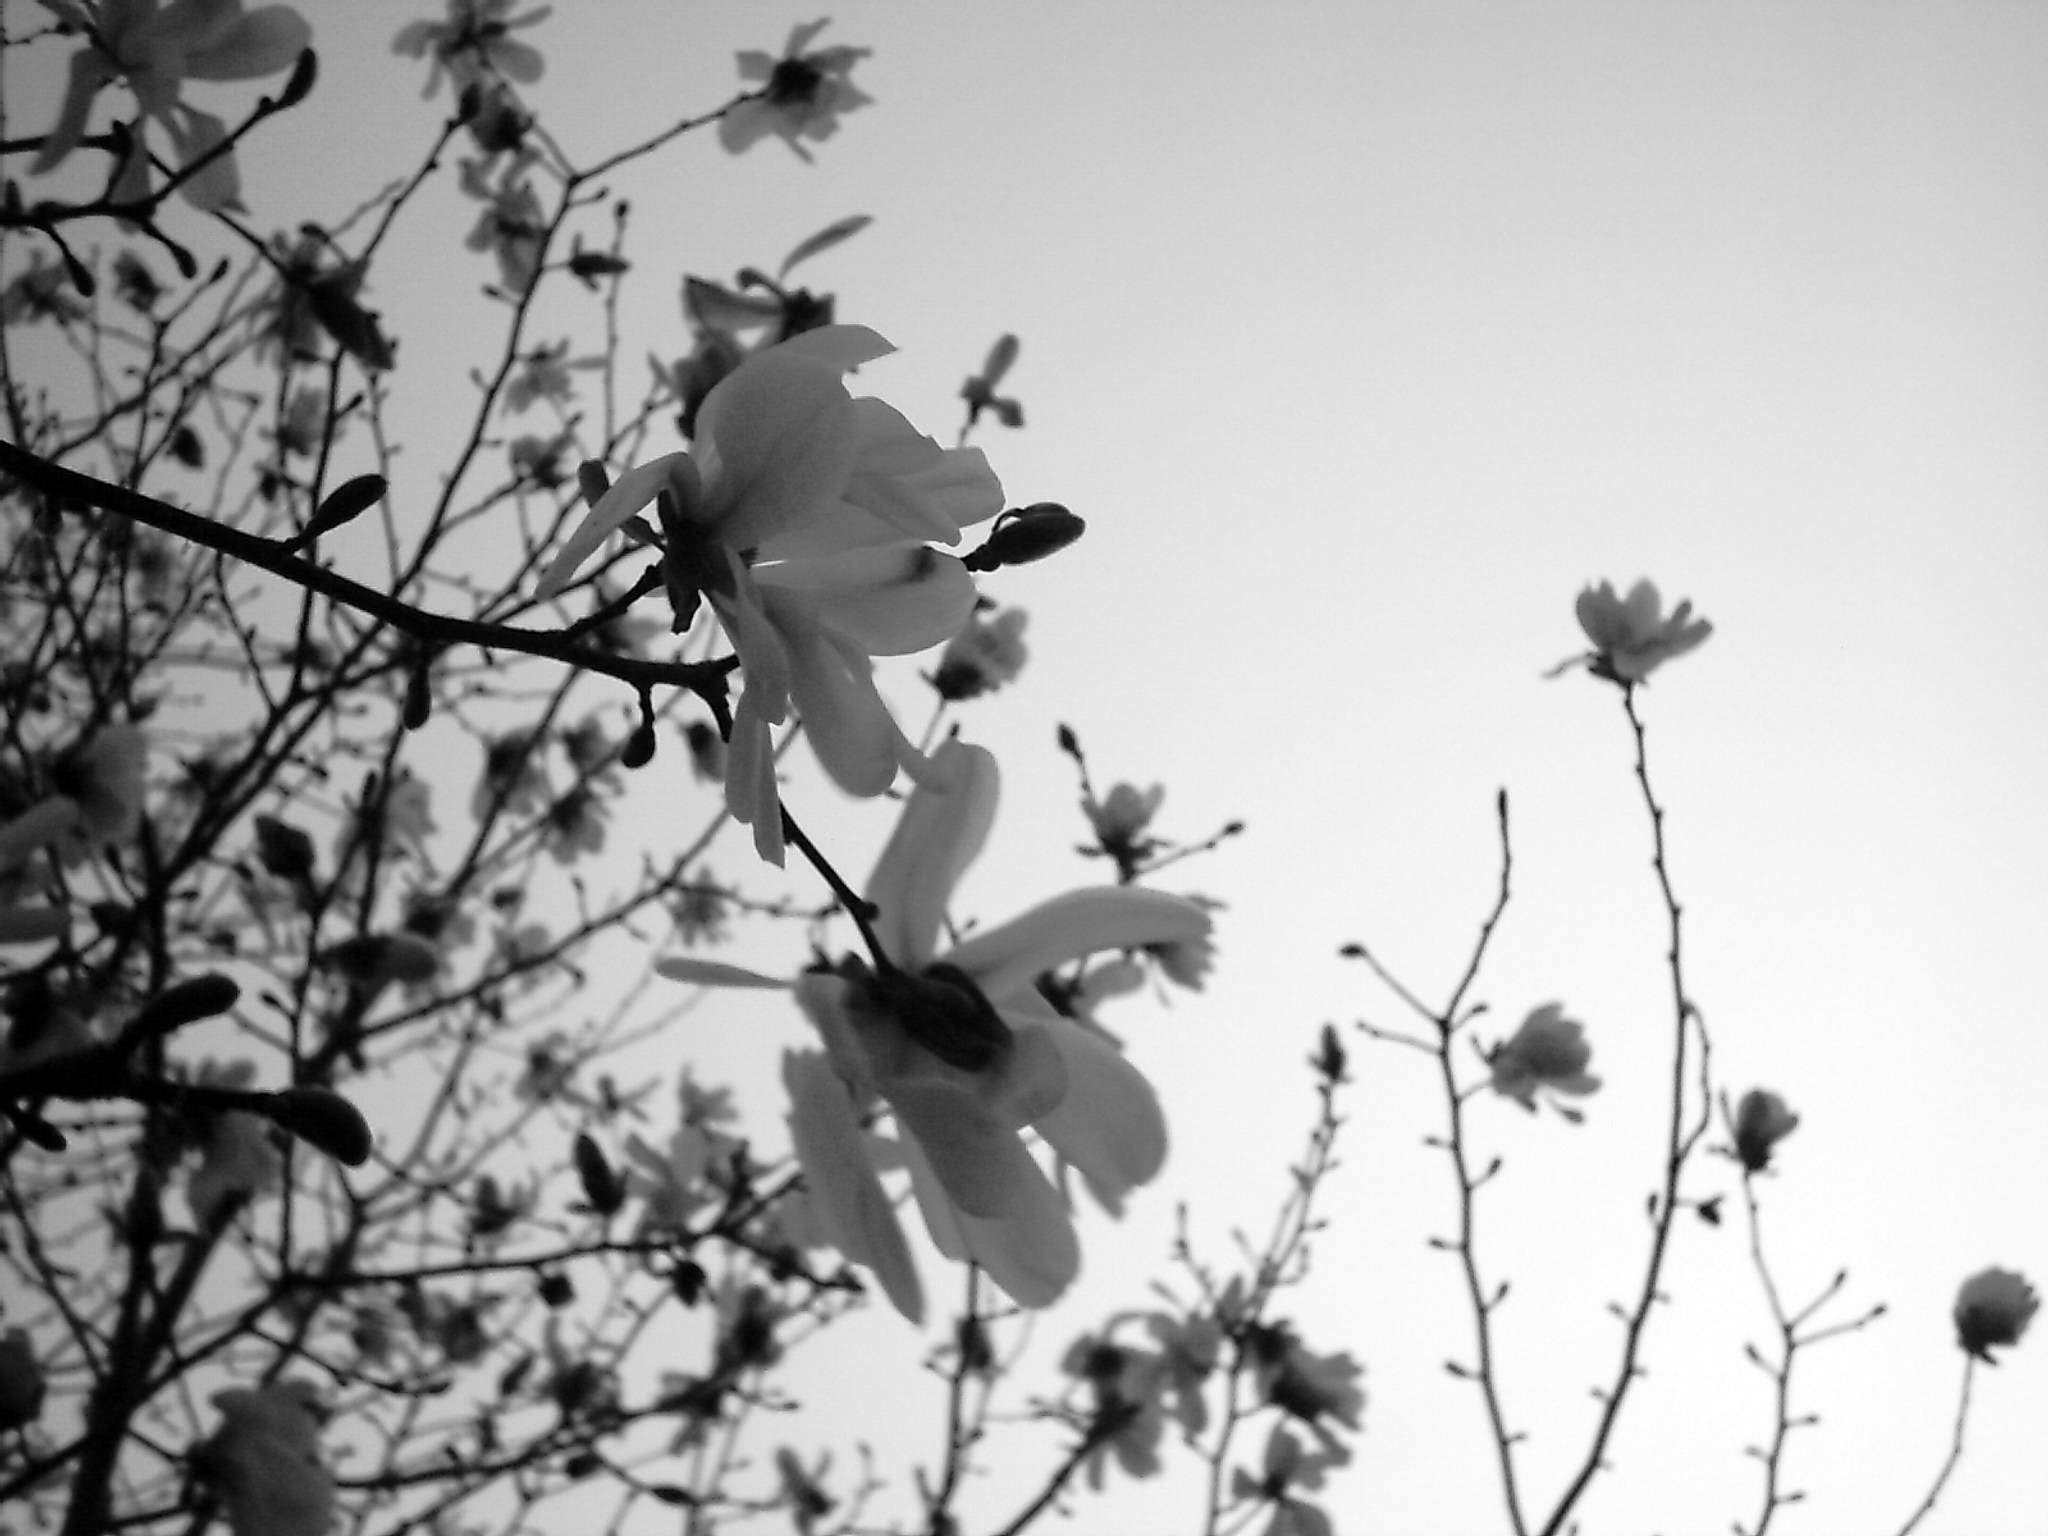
(89, 71)
(940, 832)
(890, 601)
(845, 347)
(751, 797)
(262, 42)
(1007, 958)
(850, 728)
(714, 973)
(627, 495)
(847, 1193)
(1109, 1123)
(1030, 1251)
(778, 439)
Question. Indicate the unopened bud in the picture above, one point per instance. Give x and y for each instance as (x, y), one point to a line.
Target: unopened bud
(592, 480)
(1023, 535)
(322, 1118)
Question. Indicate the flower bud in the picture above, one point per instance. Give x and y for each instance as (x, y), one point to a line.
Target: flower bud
(1021, 536)
(322, 1118)
(1993, 1308)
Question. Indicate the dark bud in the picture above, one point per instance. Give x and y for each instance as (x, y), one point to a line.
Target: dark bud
(638, 751)
(976, 1354)
(557, 1289)
(344, 504)
(304, 72)
(419, 698)
(669, 1493)
(1329, 1059)
(1710, 1211)
(1070, 743)
(591, 265)
(323, 1119)
(285, 850)
(582, 1464)
(592, 481)
(187, 449)
(601, 1187)
(688, 1282)
(1023, 535)
(186, 1003)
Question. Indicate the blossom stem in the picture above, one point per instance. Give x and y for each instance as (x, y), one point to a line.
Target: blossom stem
(860, 911)
(1955, 1451)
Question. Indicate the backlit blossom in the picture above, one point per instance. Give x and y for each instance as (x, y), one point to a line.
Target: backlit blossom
(965, 1054)
(475, 44)
(1762, 1120)
(980, 391)
(802, 515)
(1288, 1465)
(1120, 818)
(802, 94)
(1993, 1308)
(512, 226)
(1129, 1416)
(983, 656)
(264, 1461)
(1548, 1053)
(1307, 1386)
(41, 291)
(155, 49)
(1632, 636)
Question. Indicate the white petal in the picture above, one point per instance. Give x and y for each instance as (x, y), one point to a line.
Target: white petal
(895, 464)
(890, 601)
(980, 1161)
(750, 791)
(1109, 1124)
(781, 431)
(1005, 959)
(845, 347)
(627, 495)
(938, 835)
(715, 973)
(847, 1194)
(1031, 1251)
(850, 728)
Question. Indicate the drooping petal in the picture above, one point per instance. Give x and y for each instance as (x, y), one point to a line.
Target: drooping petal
(778, 438)
(259, 43)
(715, 973)
(939, 834)
(762, 647)
(979, 1160)
(628, 494)
(847, 1193)
(751, 797)
(890, 601)
(1109, 1123)
(1005, 959)
(851, 730)
(1031, 1250)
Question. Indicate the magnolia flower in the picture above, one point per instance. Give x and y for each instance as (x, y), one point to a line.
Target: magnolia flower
(980, 390)
(41, 291)
(802, 94)
(104, 779)
(964, 1053)
(802, 515)
(1129, 1417)
(1631, 637)
(1762, 1120)
(1289, 1465)
(512, 226)
(1548, 1052)
(1120, 818)
(265, 1461)
(1303, 1384)
(474, 44)
(156, 50)
(1993, 1308)
(982, 657)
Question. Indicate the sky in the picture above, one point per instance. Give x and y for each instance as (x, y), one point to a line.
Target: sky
(1364, 336)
